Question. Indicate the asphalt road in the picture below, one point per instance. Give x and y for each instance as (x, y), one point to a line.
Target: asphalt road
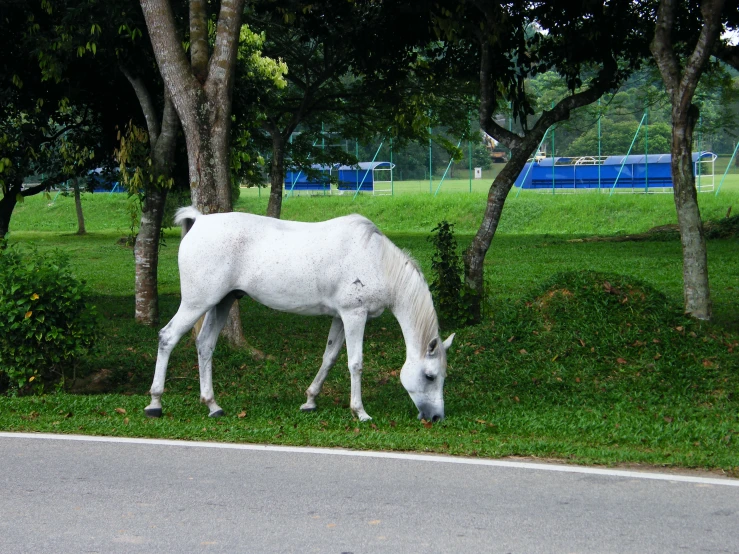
(64, 495)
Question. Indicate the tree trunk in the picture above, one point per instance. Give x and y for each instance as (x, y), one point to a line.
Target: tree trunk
(277, 175)
(7, 205)
(474, 258)
(10, 199)
(680, 83)
(201, 91)
(163, 143)
(146, 254)
(78, 208)
(696, 292)
(521, 147)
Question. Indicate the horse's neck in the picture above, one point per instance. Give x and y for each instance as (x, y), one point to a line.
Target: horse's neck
(417, 319)
(411, 300)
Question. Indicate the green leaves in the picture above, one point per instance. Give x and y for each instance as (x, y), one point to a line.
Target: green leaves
(451, 298)
(45, 323)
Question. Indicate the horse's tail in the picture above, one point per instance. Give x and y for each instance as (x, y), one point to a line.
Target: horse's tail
(186, 217)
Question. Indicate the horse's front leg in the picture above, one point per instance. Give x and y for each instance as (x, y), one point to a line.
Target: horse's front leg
(354, 330)
(213, 323)
(333, 347)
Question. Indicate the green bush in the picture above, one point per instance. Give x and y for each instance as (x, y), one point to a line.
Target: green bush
(45, 323)
(451, 296)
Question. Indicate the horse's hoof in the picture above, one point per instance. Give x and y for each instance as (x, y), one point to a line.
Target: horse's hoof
(153, 412)
(217, 413)
(308, 408)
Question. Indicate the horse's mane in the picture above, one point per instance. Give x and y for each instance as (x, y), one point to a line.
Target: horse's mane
(406, 281)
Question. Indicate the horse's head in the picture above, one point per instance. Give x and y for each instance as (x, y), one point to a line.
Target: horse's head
(424, 379)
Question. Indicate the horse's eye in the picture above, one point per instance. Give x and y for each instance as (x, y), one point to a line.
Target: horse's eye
(429, 377)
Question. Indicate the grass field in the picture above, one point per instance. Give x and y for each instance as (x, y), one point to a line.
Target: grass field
(537, 378)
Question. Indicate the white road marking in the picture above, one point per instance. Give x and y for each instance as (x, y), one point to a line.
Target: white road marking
(427, 458)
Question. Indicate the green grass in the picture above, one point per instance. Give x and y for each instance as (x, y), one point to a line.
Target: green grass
(530, 213)
(540, 394)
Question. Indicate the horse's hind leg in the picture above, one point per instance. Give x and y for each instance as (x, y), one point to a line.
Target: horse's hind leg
(213, 323)
(169, 336)
(333, 347)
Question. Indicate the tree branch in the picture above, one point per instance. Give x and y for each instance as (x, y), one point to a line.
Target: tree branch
(662, 48)
(171, 59)
(560, 112)
(711, 12)
(146, 102)
(728, 54)
(199, 39)
(170, 127)
(226, 46)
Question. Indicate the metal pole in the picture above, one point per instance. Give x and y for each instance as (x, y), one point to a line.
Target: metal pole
(359, 186)
(469, 146)
(731, 160)
(323, 151)
(510, 125)
(599, 144)
(626, 156)
(451, 161)
(430, 162)
(392, 179)
(356, 155)
(531, 163)
(553, 132)
(700, 150)
(646, 150)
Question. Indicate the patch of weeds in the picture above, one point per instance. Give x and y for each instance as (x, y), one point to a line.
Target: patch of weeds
(454, 301)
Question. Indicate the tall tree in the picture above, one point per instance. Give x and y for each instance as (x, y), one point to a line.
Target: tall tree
(54, 119)
(126, 49)
(152, 180)
(315, 67)
(330, 49)
(201, 91)
(584, 42)
(123, 53)
(681, 81)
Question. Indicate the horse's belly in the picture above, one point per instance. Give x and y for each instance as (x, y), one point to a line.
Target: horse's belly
(306, 297)
(303, 305)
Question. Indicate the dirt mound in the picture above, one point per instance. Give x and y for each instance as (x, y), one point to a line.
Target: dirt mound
(725, 228)
(591, 299)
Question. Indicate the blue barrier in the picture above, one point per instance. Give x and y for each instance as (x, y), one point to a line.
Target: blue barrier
(591, 172)
(362, 177)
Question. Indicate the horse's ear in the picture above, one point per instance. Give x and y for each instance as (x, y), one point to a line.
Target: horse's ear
(432, 349)
(448, 341)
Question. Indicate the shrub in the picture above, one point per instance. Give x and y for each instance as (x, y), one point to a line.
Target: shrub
(451, 296)
(45, 323)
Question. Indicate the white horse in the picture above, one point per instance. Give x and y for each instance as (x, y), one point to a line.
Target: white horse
(344, 267)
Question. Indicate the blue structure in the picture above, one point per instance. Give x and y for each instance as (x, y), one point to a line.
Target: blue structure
(299, 180)
(366, 177)
(104, 181)
(638, 172)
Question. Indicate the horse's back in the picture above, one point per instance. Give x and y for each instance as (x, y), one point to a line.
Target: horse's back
(293, 266)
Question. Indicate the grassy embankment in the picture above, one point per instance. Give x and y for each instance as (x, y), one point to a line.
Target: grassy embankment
(573, 368)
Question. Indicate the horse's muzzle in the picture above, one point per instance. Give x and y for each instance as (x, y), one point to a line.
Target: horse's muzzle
(431, 415)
